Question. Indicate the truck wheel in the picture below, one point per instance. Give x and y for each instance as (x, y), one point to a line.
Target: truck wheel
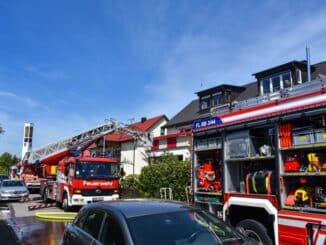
(45, 197)
(65, 204)
(255, 230)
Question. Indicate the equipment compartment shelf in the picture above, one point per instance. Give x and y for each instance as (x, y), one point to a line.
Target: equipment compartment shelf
(208, 149)
(256, 158)
(209, 193)
(308, 147)
(323, 173)
(307, 209)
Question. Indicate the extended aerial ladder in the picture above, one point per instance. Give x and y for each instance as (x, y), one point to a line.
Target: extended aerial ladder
(60, 149)
(35, 161)
(72, 179)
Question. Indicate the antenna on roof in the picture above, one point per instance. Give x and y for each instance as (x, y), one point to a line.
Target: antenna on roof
(308, 62)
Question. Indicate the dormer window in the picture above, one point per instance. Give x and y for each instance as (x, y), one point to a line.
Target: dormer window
(217, 99)
(275, 83)
(205, 102)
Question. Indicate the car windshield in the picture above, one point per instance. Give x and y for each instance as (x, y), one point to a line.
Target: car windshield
(13, 183)
(181, 228)
(97, 170)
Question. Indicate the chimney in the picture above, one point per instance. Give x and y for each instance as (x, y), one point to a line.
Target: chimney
(143, 119)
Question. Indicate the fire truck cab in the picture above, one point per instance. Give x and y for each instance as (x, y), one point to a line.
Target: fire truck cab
(81, 180)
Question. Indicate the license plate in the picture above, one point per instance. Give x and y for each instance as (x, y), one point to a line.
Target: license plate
(97, 199)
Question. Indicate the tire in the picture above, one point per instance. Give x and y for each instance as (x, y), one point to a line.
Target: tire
(255, 230)
(44, 197)
(65, 204)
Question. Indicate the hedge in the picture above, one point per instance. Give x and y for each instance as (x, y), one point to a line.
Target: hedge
(173, 174)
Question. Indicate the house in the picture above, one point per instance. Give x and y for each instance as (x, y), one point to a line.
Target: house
(123, 146)
(177, 139)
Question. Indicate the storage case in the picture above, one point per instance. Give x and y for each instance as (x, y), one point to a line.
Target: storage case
(320, 135)
(242, 145)
(303, 136)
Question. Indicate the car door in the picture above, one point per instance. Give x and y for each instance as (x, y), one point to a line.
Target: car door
(86, 228)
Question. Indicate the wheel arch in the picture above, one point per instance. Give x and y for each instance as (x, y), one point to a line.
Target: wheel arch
(237, 209)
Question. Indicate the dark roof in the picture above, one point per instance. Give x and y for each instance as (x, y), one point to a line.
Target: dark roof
(187, 115)
(190, 112)
(292, 64)
(219, 88)
(320, 68)
(140, 207)
(250, 91)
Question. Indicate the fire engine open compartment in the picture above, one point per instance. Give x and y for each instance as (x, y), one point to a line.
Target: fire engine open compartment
(303, 164)
(207, 169)
(250, 161)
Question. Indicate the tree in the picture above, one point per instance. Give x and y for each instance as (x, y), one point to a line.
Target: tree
(1, 129)
(6, 161)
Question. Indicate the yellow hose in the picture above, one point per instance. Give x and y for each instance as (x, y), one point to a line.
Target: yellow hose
(56, 216)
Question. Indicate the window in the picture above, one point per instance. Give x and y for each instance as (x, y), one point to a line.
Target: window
(287, 81)
(205, 102)
(162, 131)
(217, 99)
(266, 87)
(80, 219)
(276, 83)
(92, 223)
(111, 233)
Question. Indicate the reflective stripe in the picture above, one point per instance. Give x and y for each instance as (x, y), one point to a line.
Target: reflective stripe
(254, 182)
(291, 222)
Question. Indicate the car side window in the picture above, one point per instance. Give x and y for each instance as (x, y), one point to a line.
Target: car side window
(80, 219)
(111, 233)
(91, 223)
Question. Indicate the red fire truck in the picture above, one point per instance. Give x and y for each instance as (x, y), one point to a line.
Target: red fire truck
(262, 165)
(70, 176)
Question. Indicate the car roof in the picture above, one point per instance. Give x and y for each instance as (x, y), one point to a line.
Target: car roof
(12, 180)
(141, 207)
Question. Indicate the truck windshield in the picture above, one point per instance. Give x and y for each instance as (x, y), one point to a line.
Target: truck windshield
(97, 170)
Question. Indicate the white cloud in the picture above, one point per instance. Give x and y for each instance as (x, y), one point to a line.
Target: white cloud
(8, 94)
(19, 98)
(206, 59)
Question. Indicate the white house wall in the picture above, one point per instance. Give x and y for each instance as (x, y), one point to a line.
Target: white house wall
(180, 151)
(127, 155)
(183, 141)
(156, 131)
(141, 158)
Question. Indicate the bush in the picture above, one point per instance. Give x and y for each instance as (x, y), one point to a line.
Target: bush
(169, 172)
(130, 187)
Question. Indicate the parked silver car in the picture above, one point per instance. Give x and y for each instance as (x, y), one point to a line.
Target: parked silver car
(3, 177)
(13, 190)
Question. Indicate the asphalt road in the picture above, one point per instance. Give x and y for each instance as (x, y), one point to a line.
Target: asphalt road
(18, 225)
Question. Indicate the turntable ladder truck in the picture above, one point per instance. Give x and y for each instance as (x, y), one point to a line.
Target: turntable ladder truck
(70, 176)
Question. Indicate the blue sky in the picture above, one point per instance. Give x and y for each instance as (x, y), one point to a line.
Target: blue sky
(66, 66)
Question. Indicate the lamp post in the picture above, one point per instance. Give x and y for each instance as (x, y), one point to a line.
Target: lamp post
(134, 156)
